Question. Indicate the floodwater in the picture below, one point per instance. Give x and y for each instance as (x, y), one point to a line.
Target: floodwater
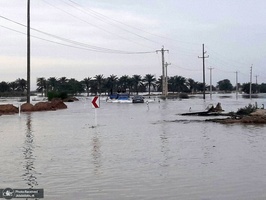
(134, 151)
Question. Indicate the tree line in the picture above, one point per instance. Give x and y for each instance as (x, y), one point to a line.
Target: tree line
(114, 84)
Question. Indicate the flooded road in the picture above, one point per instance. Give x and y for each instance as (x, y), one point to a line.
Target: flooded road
(136, 151)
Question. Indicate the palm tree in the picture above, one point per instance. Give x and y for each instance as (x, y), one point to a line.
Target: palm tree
(22, 84)
(4, 86)
(123, 83)
(74, 86)
(110, 83)
(100, 82)
(63, 84)
(52, 83)
(13, 85)
(159, 83)
(137, 82)
(42, 85)
(149, 80)
(199, 86)
(87, 83)
(178, 84)
(192, 85)
(94, 86)
(62, 80)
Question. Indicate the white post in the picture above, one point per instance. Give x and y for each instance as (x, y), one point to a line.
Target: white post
(19, 109)
(95, 116)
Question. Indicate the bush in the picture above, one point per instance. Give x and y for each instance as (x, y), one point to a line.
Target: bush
(183, 96)
(63, 95)
(52, 94)
(246, 110)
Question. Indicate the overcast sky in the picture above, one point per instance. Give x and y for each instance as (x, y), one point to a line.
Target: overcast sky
(84, 38)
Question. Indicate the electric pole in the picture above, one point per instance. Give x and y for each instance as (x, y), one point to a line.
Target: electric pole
(256, 79)
(236, 84)
(166, 78)
(211, 68)
(163, 72)
(28, 52)
(256, 83)
(203, 59)
(250, 84)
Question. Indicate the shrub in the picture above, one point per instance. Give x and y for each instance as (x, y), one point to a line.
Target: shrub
(183, 96)
(52, 94)
(246, 110)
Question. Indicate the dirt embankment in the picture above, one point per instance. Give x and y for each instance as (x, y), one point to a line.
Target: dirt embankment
(257, 117)
(8, 109)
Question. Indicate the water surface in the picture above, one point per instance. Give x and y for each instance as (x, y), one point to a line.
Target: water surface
(136, 151)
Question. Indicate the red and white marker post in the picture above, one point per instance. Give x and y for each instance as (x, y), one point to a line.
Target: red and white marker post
(95, 104)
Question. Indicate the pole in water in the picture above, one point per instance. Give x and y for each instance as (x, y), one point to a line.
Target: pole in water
(19, 109)
(95, 117)
(95, 104)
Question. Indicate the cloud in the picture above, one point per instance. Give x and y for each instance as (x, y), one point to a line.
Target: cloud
(232, 36)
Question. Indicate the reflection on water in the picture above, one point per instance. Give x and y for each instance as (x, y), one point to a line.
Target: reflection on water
(28, 151)
(205, 146)
(164, 147)
(96, 153)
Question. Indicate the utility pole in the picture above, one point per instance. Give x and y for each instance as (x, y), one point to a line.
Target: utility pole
(250, 84)
(163, 72)
(166, 78)
(203, 59)
(236, 84)
(256, 83)
(28, 52)
(211, 68)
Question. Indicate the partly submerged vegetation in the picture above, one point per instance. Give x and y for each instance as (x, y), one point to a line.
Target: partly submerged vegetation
(247, 115)
(246, 110)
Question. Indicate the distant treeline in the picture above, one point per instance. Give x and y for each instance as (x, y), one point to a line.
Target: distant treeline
(114, 84)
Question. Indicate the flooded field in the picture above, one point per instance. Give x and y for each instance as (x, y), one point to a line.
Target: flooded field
(136, 151)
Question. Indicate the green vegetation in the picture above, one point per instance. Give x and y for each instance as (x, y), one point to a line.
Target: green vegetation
(113, 84)
(225, 85)
(58, 95)
(246, 110)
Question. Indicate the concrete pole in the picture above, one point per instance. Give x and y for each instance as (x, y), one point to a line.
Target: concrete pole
(28, 52)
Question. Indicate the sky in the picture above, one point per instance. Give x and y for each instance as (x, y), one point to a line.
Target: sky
(85, 38)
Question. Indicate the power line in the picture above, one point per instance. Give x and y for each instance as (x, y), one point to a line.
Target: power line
(101, 17)
(185, 68)
(67, 45)
(107, 31)
(79, 45)
(225, 71)
(107, 18)
(228, 60)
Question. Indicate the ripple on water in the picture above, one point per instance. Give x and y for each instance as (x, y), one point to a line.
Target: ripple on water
(134, 152)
